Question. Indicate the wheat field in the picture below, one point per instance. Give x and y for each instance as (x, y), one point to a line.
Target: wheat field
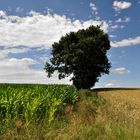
(124, 102)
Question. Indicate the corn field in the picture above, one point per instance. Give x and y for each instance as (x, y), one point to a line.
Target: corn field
(33, 101)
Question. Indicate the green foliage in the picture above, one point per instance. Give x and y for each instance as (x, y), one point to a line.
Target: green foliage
(33, 101)
(81, 54)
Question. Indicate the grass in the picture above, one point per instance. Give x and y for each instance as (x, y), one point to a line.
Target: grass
(123, 103)
(99, 114)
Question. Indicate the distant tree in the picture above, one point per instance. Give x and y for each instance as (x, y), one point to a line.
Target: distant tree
(82, 54)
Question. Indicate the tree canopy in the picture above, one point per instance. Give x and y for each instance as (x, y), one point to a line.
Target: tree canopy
(82, 54)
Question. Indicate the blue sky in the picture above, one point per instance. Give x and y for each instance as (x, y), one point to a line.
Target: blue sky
(28, 28)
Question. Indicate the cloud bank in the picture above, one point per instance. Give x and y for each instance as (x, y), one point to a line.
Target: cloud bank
(15, 70)
(34, 31)
(39, 31)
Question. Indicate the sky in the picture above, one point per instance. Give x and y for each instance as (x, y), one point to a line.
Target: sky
(28, 28)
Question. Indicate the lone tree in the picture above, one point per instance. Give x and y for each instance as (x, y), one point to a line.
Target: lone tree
(81, 54)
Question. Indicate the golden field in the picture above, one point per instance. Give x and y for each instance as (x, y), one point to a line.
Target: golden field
(125, 102)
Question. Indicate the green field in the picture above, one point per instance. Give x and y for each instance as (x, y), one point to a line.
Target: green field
(33, 102)
(60, 112)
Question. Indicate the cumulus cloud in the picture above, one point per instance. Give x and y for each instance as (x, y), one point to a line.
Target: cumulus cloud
(39, 31)
(34, 31)
(120, 5)
(15, 70)
(120, 70)
(126, 42)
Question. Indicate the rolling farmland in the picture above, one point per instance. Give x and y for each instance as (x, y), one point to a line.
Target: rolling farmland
(30, 112)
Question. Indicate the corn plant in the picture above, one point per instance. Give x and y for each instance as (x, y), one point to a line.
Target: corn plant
(33, 101)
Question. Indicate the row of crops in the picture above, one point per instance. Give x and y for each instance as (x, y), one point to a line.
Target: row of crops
(33, 101)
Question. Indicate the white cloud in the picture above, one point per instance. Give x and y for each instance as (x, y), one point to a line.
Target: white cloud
(120, 70)
(16, 63)
(2, 13)
(21, 34)
(109, 85)
(19, 10)
(93, 8)
(15, 70)
(112, 36)
(120, 5)
(125, 19)
(39, 31)
(113, 27)
(126, 42)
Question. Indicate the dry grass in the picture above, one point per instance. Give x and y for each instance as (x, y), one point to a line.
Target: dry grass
(123, 102)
